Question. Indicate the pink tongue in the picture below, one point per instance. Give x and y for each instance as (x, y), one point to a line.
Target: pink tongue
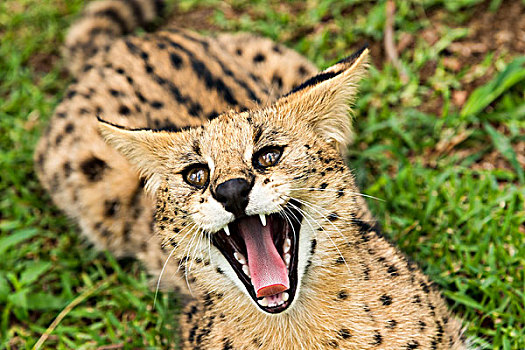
(268, 272)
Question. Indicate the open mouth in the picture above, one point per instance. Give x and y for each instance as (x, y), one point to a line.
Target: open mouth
(263, 252)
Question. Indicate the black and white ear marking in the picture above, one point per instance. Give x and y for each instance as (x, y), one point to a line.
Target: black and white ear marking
(330, 72)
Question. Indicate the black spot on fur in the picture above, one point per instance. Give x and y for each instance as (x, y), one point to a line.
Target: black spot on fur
(277, 49)
(195, 109)
(391, 324)
(141, 97)
(58, 139)
(378, 339)
(392, 270)
(313, 245)
(114, 93)
(191, 335)
(302, 70)
(413, 344)
(386, 299)
(340, 260)
(40, 160)
(425, 287)
(422, 325)
(340, 193)
(219, 271)
(71, 94)
(277, 81)
(227, 344)
(69, 128)
(342, 295)
(258, 58)
(93, 168)
(124, 110)
(344, 333)
(366, 272)
(238, 52)
(67, 169)
(105, 233)
(323, 185)
(333, 217)
(176, 60)
(157, 104)
(417, 299)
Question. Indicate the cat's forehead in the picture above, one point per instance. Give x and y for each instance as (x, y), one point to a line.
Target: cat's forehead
(240, 131)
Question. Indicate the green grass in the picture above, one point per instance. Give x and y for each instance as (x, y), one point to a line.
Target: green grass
(461, 222)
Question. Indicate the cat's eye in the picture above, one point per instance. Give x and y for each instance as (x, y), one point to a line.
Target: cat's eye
(268, 157)
(197, 175)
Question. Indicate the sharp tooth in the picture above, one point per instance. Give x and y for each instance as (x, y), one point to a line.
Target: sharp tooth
(287, 258)
(263, 302)
(285, 296)
(263, 219)
(227, 230)
(246, 270)
(287, 244)
(240, 258)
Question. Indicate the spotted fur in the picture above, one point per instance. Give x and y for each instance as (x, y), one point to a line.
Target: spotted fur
(173, 98)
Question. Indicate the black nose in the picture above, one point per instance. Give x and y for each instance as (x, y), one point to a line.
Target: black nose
(233, 194)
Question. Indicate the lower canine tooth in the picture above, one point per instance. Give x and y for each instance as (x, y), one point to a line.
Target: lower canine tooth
(227, 230)
(287, 258)
(246, 270)
(263, 302)
(285, 296)
(263, 219)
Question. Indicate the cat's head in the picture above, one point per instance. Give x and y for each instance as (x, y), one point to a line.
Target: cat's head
(247, 194)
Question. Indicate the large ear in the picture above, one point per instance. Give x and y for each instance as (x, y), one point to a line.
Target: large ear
(146, 149)
(324, 100)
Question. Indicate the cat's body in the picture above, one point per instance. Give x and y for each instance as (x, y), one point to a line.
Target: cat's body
(313, 272)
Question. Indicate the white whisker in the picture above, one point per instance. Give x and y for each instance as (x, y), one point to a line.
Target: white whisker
(334, 190)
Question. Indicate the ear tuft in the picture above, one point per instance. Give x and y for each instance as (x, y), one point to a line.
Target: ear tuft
(324, 100)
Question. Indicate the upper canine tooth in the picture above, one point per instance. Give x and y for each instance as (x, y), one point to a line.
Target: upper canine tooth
(240, 258)
(263, 219)
(227, 230)
(287, 244)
